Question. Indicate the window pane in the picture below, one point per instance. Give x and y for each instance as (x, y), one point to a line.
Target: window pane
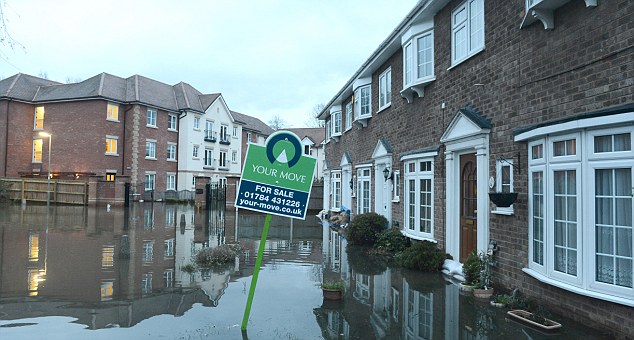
(537, 151)
(623, 185)
(605, 240)
(623, 272)
(622, 142)
(602, 144)
(605, 269)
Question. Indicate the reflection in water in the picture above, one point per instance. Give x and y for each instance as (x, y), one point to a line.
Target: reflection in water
(120, 267)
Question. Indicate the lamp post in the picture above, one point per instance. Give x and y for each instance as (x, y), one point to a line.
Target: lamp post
(48, 184)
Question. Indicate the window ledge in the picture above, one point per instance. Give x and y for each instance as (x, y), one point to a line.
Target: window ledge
(418, 237)
(152, 126)
(171, 160)
(112, 120)
(384, 107)
(111, 154)
(151, 158)
(417, 88)
(460, 61)
(577, 290)
(509, 212)
(172, 130)
(396, 200)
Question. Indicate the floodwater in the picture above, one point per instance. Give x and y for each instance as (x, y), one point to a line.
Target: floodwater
(99, 273)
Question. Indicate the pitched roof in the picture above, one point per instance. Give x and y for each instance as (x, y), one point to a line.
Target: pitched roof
(316, 135)
(134, 89)
(22, 86)
(253, 123)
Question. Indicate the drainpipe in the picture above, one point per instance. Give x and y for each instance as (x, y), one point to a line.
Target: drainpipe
(6, 140)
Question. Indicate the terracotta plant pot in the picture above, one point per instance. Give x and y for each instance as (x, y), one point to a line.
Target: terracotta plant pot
(524, 317)
(482, 293)
(332, 294)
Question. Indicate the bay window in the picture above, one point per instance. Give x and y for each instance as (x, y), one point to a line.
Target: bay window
(580, 208)
(362, 102)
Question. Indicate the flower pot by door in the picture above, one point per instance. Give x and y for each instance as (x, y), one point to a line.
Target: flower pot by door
(332, 294)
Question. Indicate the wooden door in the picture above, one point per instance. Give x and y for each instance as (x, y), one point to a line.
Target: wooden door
(468, 205)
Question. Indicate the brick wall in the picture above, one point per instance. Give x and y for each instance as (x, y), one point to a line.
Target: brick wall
(527, 76)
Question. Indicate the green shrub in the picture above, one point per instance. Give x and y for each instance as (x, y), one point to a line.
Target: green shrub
(364, 228)
(189, 268)
(471, 269)
(216, 257)
(423, 256)
(391, 241)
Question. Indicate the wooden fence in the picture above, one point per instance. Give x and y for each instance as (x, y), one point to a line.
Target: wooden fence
(35, 190)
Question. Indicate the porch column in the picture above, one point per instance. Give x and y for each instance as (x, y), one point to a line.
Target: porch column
(482, 160)
(452, 227)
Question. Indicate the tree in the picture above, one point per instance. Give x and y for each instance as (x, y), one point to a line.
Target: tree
(313, 121)
(5, 35)
(277, 123)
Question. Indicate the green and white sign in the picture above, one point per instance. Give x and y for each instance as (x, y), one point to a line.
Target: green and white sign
(277, 177)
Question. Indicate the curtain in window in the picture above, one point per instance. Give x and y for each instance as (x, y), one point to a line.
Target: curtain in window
(565, 211)
(613, 223)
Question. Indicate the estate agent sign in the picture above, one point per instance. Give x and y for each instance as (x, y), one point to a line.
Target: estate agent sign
(277, 177)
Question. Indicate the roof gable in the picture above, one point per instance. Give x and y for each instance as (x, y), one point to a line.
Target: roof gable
(465, 123)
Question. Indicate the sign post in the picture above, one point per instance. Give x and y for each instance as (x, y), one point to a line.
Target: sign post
(276, 180)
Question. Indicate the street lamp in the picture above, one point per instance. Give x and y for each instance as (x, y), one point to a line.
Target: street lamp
(48, 184)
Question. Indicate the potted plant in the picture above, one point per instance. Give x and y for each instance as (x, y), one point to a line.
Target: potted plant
(537, 320)
(471, 271)
(502, 300)
(333, 290)
(483, 288)
(503, 199)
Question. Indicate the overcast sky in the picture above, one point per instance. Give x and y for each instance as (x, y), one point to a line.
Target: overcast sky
(266, 57)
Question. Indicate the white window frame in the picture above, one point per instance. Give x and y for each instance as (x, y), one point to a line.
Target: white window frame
(112, 112)
(36, 120)
(234, 156)
(115, 140)
(412, 60)
(151, 118)
(209, 129)
(349, 115)
(500, 165)
(33, 155)
(474, 42)
(418, 175)
(172, 122)
(196, 123)
(335, 184)
(150, 149)
(150, 180)
(328, 127)
(223, 132)
(171, 151)
(585, 162)
(235, 132)
(196, 151)
(208, 160)
(363, 102)
(336, 123)
(170, 181)
(364, 176)
(222, 160)
(396, 186)
(385, 89)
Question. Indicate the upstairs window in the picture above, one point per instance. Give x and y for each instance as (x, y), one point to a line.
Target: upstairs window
(418, 59)
(336, 123)
(111, 145)
(38, 124)
(235, 132)
(171, 151)
(196, 123)
(222, 162)
(223, 133)
(171, 122)
(150, 149)
(385, 89)
(467, 30)
(362, 102)
(151, 118)
(349, 116)
(112, 112)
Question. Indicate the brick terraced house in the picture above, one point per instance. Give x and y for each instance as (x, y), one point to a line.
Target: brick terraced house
(113, 128)
(535, 97)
